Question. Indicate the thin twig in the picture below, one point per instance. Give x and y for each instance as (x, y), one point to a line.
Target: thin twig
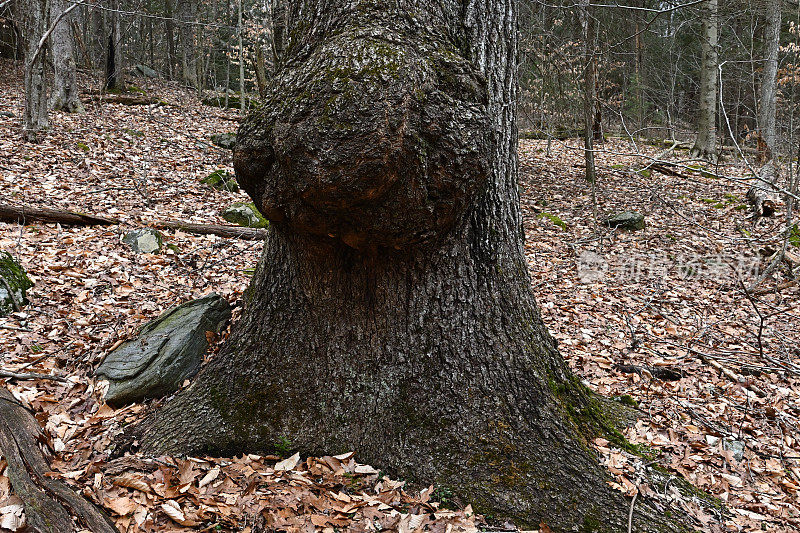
(630, 512)
(26, 376)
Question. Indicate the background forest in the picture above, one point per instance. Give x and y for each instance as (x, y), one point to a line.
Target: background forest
(658, 181)
(646, 58)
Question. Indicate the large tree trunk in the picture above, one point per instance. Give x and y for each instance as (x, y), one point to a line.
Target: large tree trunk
(392, 312)
(705, 144)
(65, 86)
(766, 105)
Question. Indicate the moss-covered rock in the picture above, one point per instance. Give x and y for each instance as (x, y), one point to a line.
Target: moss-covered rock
(244, 214)
(14, 283)
(222, 180)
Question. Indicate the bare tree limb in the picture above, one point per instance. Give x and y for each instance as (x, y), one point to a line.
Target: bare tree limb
(50, 30)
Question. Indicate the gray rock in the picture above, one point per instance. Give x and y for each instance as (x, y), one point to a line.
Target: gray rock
(166, 352)
(735, 446)
(221, 179)
(244, 214)
(224, 140)
(14, 284)
(627, 220)
(144, 240)
(146, 71)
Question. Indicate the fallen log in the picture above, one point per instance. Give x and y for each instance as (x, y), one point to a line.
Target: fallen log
(761, 196)
(659, 372)
(231, 232)
(29, 215)
(48, 501)
(126, 99)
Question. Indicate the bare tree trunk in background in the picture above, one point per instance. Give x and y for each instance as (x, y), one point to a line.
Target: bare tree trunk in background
(187, 13)
(705, 144)
(169, 33)
(115, 77)
(392, 312)
(766, 107)
(589, 84)
(261, 72)
(239, 31)
(65, 86)
(35, 16)
(278, 30)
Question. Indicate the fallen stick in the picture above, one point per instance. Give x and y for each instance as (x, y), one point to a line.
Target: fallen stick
(232, 232)
(127, 99)
(48, 501)
(777, 288)
(728, 373)
(30, 375)
(29, 215)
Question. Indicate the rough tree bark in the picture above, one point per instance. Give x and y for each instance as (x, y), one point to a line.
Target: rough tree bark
(65, 86)
(392, 312)
(766, 104)
(705, 144)
(35, 21)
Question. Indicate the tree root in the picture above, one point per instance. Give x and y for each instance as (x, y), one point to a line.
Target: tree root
(48, 502)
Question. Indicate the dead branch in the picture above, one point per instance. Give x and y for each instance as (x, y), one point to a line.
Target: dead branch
(659, 372)
(231, 232)
(128, 99)
(763, 199)
(48, 502)
(26, 376)
(29, 215)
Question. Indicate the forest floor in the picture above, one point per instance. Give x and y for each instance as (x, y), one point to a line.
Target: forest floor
(716, 385)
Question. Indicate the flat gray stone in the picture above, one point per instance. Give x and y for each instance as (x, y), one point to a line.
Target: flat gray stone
(146, 71)
(224, 140)
(627, 220)
(14, 284)
(166, 352)
(144, 240)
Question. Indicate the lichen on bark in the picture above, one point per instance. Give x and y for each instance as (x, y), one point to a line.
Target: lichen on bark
(392, 312)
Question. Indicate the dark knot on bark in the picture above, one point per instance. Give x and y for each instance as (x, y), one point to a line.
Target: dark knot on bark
(375, 137)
